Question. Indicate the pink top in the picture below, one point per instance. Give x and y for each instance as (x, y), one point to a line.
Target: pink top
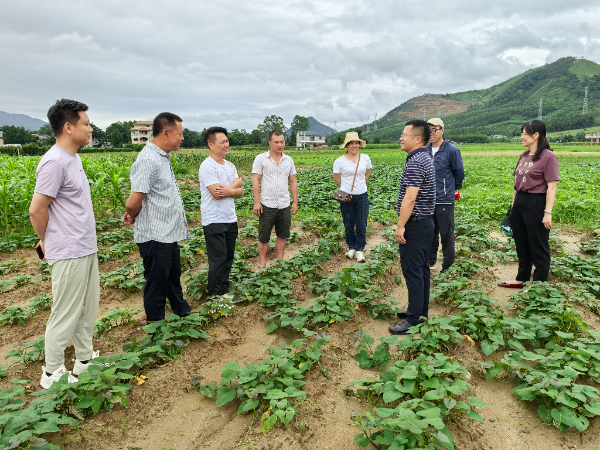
(71, 230)
(533, 176)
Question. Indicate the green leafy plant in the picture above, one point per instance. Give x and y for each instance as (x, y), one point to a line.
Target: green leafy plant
(271, 387)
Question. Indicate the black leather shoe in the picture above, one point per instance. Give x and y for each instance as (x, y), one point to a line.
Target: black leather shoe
(401, 329)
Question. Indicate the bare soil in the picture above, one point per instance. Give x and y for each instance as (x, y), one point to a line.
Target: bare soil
(167, 413)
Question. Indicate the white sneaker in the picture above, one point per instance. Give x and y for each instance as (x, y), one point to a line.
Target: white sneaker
(79, 367)
(360, 257)
(350, 254)
(48, 381)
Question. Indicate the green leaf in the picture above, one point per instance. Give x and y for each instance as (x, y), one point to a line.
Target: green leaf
(593, 407)
(434, 394)
(488, 348)
(474, 415)
(476, 402)
(248, 405)
(544, 414)
(225, 395)
(268, 424)
(491, 373)
(390, 393)
(361, 440)
(430, 412)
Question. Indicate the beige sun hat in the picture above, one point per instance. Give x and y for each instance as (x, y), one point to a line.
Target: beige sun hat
(436, 121)
(352, 136)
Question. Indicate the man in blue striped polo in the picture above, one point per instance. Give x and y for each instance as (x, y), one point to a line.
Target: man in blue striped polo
(414, 231)
(273, 176)
(156, 208)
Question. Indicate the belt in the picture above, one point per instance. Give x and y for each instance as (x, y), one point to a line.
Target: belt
(417, 218)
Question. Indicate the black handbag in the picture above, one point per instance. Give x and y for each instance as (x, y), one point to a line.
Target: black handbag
(343, 196)
(505, 225)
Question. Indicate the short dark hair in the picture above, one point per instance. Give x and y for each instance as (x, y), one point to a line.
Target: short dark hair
(209, 135)
(421, 128)
(64, 111)
(275, 133)
(164, 121)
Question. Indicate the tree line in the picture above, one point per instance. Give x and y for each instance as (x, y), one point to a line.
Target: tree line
(118, 134)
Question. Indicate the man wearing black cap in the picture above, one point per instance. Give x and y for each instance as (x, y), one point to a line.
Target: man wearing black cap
(449, 175)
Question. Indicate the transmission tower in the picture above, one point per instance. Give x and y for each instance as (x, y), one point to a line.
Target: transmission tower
(367, 123)
(374, 121)
(424, 112)
(439, 112)
(585, 108)
(334, 125)
(540, 112)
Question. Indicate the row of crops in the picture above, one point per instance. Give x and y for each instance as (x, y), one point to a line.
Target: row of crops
(487, 188)
(548, 348)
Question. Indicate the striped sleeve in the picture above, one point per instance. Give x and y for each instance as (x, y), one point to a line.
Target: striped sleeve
(141, 175)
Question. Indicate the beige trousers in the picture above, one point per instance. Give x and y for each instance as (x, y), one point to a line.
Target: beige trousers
(76, 295)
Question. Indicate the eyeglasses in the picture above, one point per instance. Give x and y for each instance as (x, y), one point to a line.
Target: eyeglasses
(434, 130)
(402, 136)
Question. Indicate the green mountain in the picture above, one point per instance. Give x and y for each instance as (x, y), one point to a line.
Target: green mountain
(21, 120)
(315, 126)
(502, 109)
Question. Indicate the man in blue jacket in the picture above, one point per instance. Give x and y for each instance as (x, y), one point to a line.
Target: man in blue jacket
(449, 175)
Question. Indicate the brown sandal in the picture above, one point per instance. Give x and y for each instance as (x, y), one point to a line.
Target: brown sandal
(511, 284)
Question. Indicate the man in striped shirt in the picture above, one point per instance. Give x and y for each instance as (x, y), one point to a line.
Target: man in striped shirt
(414, 231)
(156, 208)
(271, 173)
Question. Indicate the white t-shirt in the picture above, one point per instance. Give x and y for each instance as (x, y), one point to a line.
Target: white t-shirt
(346, 169)
(213, 210)
(434, 150)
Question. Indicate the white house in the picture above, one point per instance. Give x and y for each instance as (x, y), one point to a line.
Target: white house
(141, 132)
(310, 139)
(1, 139)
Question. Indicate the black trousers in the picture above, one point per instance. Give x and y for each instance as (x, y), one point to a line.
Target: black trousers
(532, 238)
(220, 249)
(414, 258)
(443, 221)
(162, 271)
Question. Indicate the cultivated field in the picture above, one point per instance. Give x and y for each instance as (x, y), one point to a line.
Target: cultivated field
(302, 358)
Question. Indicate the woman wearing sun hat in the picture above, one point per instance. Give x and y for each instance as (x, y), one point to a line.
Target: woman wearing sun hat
(351, 172)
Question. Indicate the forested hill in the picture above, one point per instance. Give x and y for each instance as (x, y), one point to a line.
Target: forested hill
(503, 108)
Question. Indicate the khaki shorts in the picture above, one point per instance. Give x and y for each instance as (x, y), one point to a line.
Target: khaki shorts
(281, 218)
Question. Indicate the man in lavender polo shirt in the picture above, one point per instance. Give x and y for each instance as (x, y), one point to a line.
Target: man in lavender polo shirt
(62, 216)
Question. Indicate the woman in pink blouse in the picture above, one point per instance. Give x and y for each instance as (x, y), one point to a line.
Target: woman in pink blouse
(536, 177)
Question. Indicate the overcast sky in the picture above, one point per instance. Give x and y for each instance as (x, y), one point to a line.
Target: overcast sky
(231, 63)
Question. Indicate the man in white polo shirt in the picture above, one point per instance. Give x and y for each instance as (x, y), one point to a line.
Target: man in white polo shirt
(219, 185)
(272, 173)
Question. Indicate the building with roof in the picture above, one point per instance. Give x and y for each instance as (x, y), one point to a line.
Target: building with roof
(1, 139)
(310, 139)
(141, 132)
(594, 138)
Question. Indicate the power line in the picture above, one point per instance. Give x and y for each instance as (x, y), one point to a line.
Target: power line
(375, 121)
(585, 102)
(540, 112)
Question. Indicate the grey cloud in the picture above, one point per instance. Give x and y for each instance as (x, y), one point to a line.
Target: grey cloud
(235, 62)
